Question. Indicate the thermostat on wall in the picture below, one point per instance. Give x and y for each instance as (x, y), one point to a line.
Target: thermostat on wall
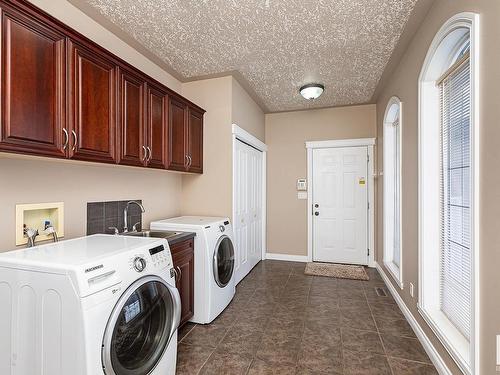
(301, 184)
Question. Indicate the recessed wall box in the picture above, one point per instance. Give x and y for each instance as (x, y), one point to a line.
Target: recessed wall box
(36, 216)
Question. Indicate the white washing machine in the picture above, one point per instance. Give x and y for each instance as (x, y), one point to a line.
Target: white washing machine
(90, 306)
(214, 281)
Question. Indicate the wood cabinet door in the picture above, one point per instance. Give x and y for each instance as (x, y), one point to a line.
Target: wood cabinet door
(132, 146)
(156, 126)
(177, 134)
(32, 86)
(195, 141)
(92, 100)
(183, 258)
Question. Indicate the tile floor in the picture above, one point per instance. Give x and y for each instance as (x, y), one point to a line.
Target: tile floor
(284, 322)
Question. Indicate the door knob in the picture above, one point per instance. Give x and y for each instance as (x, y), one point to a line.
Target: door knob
(316, 213)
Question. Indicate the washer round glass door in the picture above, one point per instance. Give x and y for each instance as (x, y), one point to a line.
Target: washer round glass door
(223, 261)
(140, 327)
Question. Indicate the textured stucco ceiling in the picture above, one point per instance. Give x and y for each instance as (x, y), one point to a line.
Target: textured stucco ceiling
(275, 45)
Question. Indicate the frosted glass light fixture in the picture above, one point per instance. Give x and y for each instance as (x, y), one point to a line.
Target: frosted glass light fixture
(312, 91)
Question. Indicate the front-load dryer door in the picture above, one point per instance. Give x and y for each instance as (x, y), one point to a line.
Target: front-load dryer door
(223, 262)
(140, 327)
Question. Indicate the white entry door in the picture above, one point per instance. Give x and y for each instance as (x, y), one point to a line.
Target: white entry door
(247, 223)
(340, 205)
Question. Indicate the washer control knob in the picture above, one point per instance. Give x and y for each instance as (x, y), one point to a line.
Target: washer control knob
(222, 228)
(139, 264)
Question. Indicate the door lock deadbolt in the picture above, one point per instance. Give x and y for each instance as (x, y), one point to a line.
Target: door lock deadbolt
(316, 205)
(316, 213)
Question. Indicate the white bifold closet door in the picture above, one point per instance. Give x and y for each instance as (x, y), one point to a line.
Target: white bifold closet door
(247, 223)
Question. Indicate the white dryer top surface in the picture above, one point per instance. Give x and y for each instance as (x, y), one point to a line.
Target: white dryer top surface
(76, 251)
(191, 221)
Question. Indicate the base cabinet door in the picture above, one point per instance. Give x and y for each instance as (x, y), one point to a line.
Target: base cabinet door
(183, 257)
(33, 86)
(92, 96)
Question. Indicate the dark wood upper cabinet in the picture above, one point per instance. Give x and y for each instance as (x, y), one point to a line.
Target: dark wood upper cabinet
(156, 126)
(132, 149)
(32, 86)
(177, 135)
(92, 98)
(195, 141)
(62, 95)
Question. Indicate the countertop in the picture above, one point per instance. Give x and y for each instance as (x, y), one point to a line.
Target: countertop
(182, 236)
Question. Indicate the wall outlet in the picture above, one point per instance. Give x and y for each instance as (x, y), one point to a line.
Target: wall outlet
(412, 290)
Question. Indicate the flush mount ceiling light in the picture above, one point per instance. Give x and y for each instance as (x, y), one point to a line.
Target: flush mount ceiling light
(312, 91)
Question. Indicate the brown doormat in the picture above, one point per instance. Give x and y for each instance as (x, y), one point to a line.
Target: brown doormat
(341, 271)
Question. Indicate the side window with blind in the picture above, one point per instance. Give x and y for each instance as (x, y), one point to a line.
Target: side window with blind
(455, 194)
(392, 189)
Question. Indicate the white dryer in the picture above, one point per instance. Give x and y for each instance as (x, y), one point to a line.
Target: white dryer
(214, 279)
(90, 306)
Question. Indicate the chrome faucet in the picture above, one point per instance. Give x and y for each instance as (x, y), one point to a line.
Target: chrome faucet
(125, 214)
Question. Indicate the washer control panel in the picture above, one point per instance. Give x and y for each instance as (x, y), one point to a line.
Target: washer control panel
(159, 256)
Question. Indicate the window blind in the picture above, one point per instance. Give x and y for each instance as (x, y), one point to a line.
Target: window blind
(455, 186)
(397, 193)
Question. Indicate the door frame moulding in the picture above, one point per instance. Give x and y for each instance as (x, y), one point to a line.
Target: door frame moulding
(244, 136)
(369, 143)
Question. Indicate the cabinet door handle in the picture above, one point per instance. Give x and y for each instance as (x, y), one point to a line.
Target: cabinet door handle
(150, 154)
(190, 161)
(176, 274)
(75, 140)
(180, 273)
(186, 163)
(145, 153)
(66, 139)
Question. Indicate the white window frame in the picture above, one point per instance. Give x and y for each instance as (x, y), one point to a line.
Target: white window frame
(440, 55)
(393, 113)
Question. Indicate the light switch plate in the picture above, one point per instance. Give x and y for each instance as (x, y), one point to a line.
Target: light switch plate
(302, 195)
(301, 184)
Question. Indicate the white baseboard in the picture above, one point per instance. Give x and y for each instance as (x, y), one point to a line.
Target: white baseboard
(287, 257)
(436, 359)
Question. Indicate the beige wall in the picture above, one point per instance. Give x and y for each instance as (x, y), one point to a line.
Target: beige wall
(226, 102)
(210, 193)
(246, 113)
(403, 83)
(36, 180)
(286, 134)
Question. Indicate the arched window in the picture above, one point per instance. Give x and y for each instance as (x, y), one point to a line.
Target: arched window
(392, 189)
(447, 246)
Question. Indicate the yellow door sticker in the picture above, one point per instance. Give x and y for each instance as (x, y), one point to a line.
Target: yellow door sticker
(362, 181)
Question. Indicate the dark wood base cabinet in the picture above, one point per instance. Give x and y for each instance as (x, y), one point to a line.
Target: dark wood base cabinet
(64, 96)
(183, 257)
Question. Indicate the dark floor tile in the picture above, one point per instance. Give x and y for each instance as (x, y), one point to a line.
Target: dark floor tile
(205, 335)
(404, 347)
(356, 363)
(321, 336)
(354, 304)
(358, 320)
(396, 327)
(324, 290)
(361, 341)
(279, 348)
(242, 339)
(190, 359)
(320, 359)
(351, 293)
(350, 284)
(316, 300)
(259, 367)
(224, 363)
(386, 311)
(405, 367)
(184, 330)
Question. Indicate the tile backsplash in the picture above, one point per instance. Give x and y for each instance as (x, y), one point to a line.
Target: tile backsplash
(102, 215)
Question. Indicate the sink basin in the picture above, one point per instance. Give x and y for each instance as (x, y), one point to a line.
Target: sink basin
(152, 233)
